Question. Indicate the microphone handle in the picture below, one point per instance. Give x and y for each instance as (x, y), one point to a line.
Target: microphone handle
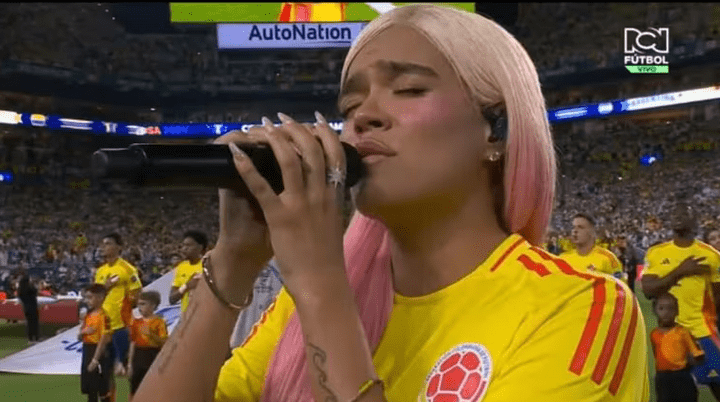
(207, 165)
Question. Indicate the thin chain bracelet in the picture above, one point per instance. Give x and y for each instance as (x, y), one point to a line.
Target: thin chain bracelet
(207, 273)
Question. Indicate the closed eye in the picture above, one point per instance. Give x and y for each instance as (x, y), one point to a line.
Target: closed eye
(346, 111)
(406, 91)
(411, 91)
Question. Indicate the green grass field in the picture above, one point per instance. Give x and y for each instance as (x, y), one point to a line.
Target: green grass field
(65, 388)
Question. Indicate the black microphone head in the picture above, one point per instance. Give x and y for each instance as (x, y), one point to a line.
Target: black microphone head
(111, 163)
(355, 167)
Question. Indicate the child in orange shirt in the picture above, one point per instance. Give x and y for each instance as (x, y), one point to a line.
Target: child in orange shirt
(147, 335)
(673, 346)
(95, 334)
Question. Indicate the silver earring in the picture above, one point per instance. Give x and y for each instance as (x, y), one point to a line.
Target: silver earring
(495, 156)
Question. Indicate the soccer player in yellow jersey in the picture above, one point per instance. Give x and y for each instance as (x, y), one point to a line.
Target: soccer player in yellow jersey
(189, 271)
(123, 285)
(690, 270)
(438, 290)
(587, 255)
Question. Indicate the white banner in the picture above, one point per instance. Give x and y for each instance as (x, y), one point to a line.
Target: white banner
(288, 35)
(62, 353)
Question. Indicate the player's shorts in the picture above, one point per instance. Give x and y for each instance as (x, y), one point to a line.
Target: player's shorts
(675, 386)
(709, 371)
(98, 381)
(142, 360)
(120, 345)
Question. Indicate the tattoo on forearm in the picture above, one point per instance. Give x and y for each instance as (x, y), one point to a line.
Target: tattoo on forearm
(169, 349)
(318, 357)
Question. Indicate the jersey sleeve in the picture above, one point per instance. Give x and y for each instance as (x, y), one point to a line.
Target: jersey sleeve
(104, 324)
(162, 329)
(100, 276)
(178, 278)
(714, 263)
(654, 341)
(133, 279)
(652, 263)
(615, 264)
(243, 375)
(591, 349)
(133, 331)
(693, 348)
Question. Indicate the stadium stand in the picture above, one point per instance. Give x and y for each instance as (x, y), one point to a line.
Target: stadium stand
(53, 200)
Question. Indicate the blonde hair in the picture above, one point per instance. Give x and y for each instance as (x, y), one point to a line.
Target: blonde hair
(495, 70)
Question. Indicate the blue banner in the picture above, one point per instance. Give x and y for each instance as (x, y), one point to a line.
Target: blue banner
(200, 130)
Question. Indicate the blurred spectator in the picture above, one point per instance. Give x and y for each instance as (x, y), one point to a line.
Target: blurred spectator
(27, 293)
(630, 257)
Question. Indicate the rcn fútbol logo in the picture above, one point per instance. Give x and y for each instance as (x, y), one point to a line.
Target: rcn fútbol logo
(460, 375)
(647, 51)
(654, 40)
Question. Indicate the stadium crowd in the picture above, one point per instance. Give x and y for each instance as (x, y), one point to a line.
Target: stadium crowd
(62, 242)
(53, 219)
(555, 35)
(56, 226)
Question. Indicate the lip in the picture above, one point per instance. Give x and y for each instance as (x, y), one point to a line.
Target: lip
(370, 148)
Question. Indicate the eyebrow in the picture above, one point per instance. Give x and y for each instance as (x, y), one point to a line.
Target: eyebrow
(392, 69)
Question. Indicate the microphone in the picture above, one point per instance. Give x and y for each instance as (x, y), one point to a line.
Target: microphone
(205, 165)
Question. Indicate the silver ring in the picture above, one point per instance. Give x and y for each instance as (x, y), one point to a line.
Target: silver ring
(336, 177)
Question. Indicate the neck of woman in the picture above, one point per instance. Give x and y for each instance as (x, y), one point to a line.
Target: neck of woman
(432, 251)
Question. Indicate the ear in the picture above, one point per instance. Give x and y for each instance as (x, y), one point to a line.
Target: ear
(496, 135)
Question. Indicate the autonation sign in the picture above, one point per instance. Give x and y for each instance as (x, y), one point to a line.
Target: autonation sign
(288, 35)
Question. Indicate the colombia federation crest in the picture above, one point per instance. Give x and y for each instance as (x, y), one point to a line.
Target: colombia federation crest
(460, 375)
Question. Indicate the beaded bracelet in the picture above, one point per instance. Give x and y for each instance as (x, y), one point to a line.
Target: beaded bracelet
(207, 267)
(367, 386)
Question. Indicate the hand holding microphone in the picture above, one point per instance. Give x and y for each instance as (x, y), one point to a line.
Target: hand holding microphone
(293, 176)
(304, 221)
(303, 227)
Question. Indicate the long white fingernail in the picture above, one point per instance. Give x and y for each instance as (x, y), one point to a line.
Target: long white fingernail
(285, 118)
(267, 122)
(320, 118)
(237, 152)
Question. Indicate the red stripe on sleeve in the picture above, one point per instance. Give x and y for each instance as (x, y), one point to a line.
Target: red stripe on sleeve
(507, 252)
(533, 266)
(596, 311)
(260, 322)
(612, 336)
(591, 327)
(625, 354)
(563, 265)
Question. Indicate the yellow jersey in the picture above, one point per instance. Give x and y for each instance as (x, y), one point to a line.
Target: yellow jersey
(565, 244)
(117, 298)
(696, 306)
(523, 326)
(184, 271)
(598, 259)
